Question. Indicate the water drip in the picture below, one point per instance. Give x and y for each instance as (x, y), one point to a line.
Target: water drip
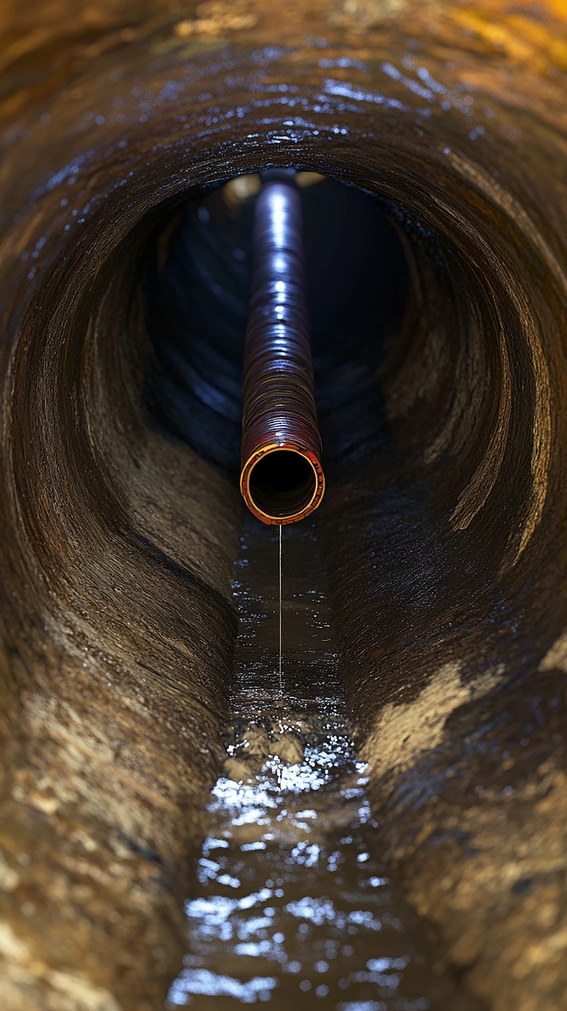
(280, 560)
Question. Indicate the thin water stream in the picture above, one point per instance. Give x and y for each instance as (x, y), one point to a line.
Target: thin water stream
(292, 903)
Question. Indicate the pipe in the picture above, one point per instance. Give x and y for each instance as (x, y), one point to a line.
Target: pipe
(282, 478)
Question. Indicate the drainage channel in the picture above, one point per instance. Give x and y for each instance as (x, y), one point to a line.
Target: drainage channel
(291, 902)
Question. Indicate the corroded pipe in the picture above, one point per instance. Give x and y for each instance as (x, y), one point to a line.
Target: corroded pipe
(282, 478)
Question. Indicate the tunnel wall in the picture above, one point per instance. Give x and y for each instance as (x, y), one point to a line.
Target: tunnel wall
(445, 536)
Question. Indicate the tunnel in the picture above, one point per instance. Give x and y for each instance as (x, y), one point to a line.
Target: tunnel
(429, 146)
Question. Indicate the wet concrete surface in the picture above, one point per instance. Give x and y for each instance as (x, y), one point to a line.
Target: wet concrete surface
(293, 901)
(467, 773)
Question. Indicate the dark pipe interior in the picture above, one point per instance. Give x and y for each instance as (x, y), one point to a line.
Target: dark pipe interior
(282, 483)
(197, 291)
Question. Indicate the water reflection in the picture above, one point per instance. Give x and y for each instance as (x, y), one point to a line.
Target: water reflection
(292, 904)
(288, 904)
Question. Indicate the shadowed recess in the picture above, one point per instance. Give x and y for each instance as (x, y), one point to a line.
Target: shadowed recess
(282, 483)
(198, 289)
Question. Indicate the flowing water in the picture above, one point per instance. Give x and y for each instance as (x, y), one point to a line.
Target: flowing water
(292, 906)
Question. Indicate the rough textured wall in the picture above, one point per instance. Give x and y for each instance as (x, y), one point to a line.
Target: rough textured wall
(445, 515)
(117, 548)
(447, 540)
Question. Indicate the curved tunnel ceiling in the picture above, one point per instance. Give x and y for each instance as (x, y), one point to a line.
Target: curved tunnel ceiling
(455, 390)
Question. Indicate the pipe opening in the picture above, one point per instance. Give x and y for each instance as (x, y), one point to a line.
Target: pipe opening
(281, 484)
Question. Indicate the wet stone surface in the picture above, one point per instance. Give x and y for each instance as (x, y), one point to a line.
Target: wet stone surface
(292, 902)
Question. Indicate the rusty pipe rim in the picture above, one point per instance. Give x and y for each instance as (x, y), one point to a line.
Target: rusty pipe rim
(283, 506)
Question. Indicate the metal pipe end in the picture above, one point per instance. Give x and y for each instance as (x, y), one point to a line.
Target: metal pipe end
(282, 483)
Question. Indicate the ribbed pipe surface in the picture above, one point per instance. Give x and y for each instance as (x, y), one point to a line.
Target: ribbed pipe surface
(282, 478)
